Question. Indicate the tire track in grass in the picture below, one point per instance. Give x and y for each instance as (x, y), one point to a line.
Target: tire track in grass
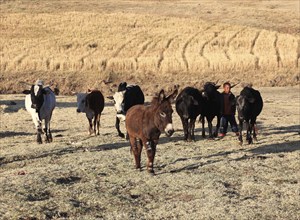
(252, 49)
(230, 40)
(298, 54)
(278, 58)
(142, 51)
(118, 50)
(207, 42)
(184, 50)
(161, 58)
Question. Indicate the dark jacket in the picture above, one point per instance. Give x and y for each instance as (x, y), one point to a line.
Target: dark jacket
(231, 104)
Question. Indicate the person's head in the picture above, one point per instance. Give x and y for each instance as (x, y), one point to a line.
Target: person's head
(226, 87)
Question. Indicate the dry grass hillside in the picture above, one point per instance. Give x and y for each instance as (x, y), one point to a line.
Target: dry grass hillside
(76, 45)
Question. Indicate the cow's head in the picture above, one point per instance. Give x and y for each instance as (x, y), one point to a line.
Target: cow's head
(81, 102)
(37, 93)
(118, 99)
(243, 105)
(163, 113)
(210, 90)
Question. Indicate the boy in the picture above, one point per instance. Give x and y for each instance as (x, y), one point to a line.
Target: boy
(227, 110)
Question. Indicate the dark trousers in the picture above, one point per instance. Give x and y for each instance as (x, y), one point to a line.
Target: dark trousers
(224, 123)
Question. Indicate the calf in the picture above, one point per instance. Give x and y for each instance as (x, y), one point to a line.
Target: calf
(189, 104)
(211, 107)
(40, 102)
(126, 97)
(144, 125)
(249, 105)
(92, 103)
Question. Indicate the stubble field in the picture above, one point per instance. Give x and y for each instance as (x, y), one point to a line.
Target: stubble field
(76, 45)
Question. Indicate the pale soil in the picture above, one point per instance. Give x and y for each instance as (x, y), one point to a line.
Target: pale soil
(82, 177)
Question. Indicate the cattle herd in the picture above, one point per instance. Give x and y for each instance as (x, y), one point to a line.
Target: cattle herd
(145, 123)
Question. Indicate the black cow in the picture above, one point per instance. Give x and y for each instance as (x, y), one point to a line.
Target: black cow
(92, 103)
(211, 107)
(126, 97)
(249, 105)
(189, 104)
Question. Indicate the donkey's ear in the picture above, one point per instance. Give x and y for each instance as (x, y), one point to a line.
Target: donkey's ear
(172, 97)
(161, 95)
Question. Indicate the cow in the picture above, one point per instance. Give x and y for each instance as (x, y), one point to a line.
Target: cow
(126, 97)
(249, 105)
(189, 105)
(92, 104)
(145, 124)
(40, 102)
(211, 107)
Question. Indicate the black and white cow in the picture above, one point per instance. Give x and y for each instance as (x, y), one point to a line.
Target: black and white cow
(92, 104)
(249, 105)
(40, 102)
(189, 105)
(126, 97)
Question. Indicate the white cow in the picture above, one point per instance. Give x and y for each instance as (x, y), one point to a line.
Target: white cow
(40, 102)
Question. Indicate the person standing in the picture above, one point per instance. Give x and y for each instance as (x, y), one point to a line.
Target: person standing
(228, 108)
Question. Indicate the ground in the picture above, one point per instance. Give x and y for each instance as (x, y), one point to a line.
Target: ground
(93, 177)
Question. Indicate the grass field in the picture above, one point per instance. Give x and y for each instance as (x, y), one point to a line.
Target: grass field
(88, 42)
(82, 177)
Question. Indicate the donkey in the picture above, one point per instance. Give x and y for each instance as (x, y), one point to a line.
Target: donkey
(145, 124)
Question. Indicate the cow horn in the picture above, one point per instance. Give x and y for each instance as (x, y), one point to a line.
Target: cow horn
(216, 82)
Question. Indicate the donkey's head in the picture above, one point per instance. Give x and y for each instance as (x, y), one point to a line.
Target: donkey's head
(163, 112)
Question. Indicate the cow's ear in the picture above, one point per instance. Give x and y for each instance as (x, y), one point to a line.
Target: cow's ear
(89, 90)
(161, 96)
(217, 87)
(110, 97)
(27, 91)
(172, 97)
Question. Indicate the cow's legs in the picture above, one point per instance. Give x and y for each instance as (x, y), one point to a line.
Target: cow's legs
(98, 124)
(118, 128)
(202, 119)
(136, 149)
(191, 128)
(217, 126)
(38, 126)
(185, 127)
(240, 131)
(90, 125)
(209, 121)
(151, 150)
(248, 137)
(254, 129)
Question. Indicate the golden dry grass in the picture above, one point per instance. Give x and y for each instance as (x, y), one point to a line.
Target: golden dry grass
(132, 39)
(82, 177)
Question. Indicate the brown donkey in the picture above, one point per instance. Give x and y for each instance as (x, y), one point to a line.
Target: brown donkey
(144, 125)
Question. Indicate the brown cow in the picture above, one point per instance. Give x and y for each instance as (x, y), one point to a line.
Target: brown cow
(144, 125)
(92, 103)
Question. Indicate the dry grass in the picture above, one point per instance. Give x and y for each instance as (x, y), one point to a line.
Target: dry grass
(106, 40)
(82, 177)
